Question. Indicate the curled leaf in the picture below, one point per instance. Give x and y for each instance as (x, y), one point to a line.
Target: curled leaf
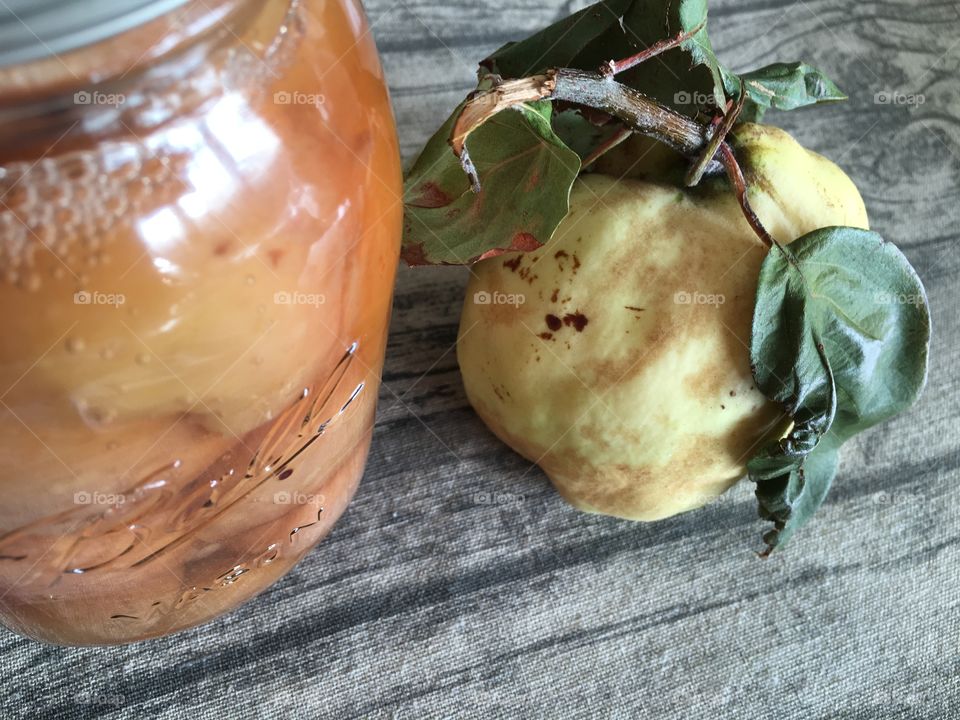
(841, 331)
(483, 105)
(515, 154)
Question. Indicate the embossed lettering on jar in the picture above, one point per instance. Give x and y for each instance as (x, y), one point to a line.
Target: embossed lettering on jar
(199, 225)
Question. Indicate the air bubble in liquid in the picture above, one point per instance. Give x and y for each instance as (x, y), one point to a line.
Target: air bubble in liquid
(94, 416)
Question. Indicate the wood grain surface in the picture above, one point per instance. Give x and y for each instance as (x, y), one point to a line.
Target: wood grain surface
(458, 584)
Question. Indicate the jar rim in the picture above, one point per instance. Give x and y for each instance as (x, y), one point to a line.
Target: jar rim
(32, 30)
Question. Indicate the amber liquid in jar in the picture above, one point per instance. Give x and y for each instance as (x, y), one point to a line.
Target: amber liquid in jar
(196, 265)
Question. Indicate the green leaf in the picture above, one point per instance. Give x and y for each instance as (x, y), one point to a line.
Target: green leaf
(841, 331)
(784, 86)
(516, 155)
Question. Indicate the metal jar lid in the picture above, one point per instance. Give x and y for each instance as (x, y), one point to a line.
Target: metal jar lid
(35, 29)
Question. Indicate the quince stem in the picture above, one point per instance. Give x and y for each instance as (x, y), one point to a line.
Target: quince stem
(720, 128)
(704, 145)
(615, 67)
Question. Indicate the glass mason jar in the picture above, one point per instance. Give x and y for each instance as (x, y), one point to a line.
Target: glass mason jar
(199, 229)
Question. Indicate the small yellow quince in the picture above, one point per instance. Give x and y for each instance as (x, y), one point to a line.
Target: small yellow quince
(616, 356)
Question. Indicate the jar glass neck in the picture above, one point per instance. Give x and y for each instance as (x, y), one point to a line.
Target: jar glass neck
(138, 79)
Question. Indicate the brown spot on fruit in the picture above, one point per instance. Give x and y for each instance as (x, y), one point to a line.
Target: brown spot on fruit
(222, 248)
(545, 336)
(275, 255)
(711, 381)
(553, 298)
(553, 322)
(578, 321)
(513, 263)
